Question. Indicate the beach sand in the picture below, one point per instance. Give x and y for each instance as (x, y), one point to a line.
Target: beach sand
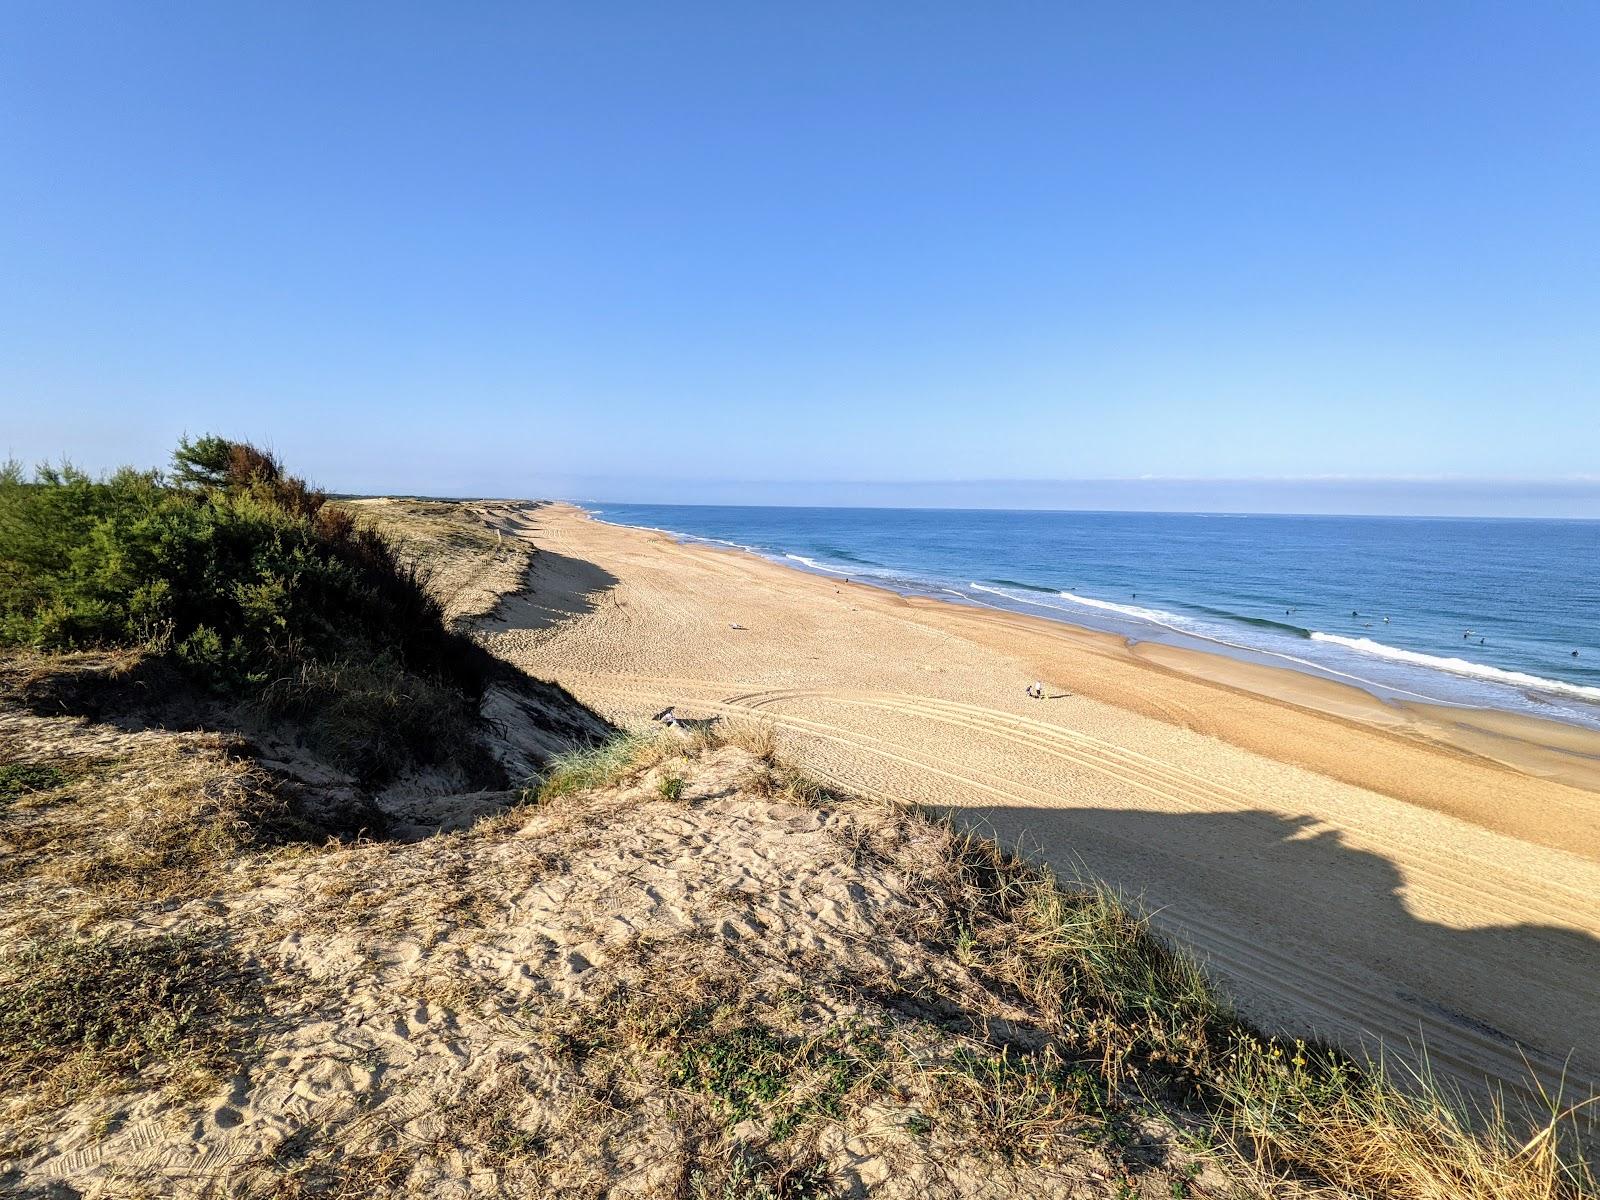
(1364, 872)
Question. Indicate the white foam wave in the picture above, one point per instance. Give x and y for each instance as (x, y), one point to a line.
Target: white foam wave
(1165, 619)
(694, 537)
(1127, 610)
(815, 565)
(1205, 633)
(1458, 666)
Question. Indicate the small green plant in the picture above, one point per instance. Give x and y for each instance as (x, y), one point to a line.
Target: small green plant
(670, 787)
(740, 1178)
(744, 1069)
(18, 779)
(599, 766)
(751, 1071)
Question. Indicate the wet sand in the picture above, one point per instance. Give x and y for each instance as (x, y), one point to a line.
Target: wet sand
(1365, 872)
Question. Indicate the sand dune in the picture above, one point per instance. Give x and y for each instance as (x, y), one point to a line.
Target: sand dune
(1345, 867)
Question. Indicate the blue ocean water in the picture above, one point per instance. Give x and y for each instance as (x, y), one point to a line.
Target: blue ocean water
(1474, 612)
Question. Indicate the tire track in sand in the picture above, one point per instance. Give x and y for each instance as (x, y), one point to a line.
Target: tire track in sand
(1450, 869)
(1444, 874)
(1352, 1011)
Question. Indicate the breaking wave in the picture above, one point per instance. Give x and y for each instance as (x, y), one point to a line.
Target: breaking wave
(1459, 666)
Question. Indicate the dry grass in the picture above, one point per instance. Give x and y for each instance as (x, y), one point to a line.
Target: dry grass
(156, 817)
(465, 565)
(1297, 1111)
(78, 1014)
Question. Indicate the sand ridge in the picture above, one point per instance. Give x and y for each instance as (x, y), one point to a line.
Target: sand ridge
(439, 1013)
(1339, 863)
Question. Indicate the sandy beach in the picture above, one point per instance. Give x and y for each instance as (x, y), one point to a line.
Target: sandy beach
(1372, 874)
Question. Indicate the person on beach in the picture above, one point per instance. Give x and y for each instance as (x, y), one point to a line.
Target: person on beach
(1036, 690)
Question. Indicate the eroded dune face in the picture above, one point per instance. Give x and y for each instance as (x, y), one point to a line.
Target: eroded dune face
(694, 973)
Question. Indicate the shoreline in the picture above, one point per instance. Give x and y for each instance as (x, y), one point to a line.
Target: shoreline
(1360, 873)
(1540, 747)
(1436, 677)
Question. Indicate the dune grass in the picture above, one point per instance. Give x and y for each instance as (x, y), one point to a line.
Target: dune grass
(605, 765)
(1283, 1109)
(157, 819)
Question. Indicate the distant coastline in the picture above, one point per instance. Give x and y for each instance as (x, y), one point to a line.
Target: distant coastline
(1356, 655)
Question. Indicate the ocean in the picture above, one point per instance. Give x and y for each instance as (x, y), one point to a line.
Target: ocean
(1471, 612)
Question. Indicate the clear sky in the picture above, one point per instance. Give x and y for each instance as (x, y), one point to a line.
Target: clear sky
(816, 252)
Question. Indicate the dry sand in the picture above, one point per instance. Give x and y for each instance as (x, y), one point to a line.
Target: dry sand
(493, 1012)
(1371, 873)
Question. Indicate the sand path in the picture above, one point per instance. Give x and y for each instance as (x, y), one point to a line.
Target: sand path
(1339, 868)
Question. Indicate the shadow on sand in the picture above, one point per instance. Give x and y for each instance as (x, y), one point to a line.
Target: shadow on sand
(1311, 935)
(555, 589)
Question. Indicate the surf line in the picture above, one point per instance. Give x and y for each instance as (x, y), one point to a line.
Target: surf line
(1317, 668)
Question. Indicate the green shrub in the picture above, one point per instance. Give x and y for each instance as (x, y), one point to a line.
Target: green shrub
(251, 582)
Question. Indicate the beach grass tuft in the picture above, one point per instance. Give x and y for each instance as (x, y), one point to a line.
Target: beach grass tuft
(606, 765)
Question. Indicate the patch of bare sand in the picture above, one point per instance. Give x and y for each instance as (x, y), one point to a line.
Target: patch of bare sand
(1341, 865)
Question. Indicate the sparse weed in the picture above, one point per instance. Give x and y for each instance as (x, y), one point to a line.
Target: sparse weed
(779, 781)
(749, 1070)
(1015, 1104)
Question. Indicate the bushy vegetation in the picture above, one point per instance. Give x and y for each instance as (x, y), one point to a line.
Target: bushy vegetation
(249, 580)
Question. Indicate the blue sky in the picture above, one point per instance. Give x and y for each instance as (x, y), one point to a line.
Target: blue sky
(801, 251)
